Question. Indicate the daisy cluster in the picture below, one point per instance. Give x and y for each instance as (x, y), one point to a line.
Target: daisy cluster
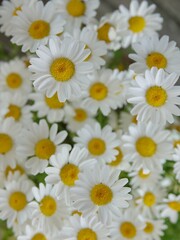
(89, 150)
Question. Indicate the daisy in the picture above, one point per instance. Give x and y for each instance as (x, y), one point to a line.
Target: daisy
(84, 228)
(14, 201)
(141, 20)
(35, 25)
(176, 158)
(49, 211)
(100, 143)
(66, 167)
(100, 191)
(155, 97)
(38, 144)
(57, 70)
(155, 52)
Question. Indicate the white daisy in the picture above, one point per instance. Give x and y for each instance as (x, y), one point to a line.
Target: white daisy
(35, 25)
(176, 158)
(61, 71)
(146, 146)
(100, 191)
(141, 20)
(155, 52)
(100, 143)
(155, 97)
(38, 144)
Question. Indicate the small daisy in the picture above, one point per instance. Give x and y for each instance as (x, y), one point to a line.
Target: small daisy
(176, 158)
(14, 201)
(175, 138)
(155, 52)
(78, 228)
(34, 27)
(66, 167)
(100, 143)
(57, 70)
(100, 191)
(39, 143)
(155, 97)
(141, 20)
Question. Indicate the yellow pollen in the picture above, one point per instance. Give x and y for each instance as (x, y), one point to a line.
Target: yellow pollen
(176, 143)
(118, 159)
(86, 234)
(156, 96)
(6, 143)
(53, 102)
(96, 146)
(81, 115)
(137, 24)
(156, 59)
(98, 91)
(149, 199)
(146, 147)
(76, 212)
(101, 194)
(14, 111)
(44, 149)
(134, 119)
(14, 80)
(39, 29)
(13, 170)
(69, 174)
(62, 69)
(128, 230)
(16, 10)
(149, 228)
(17, 201)
(48, 206)
(143, 175)
(39, 236)
(76, 8)
(103, 32)
(175, 205)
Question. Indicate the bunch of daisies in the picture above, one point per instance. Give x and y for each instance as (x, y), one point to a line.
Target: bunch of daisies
(89, 139)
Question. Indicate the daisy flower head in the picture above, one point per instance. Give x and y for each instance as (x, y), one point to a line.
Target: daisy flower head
(155, 52)
(49, 211)
(38, 144)
(60, 68)
(146, 146)
(176, 158)
(155, 97)
(35, 25)
(100, 143)
(141, 21)
(79, 228)
(66, 167)
(14, 200)
(100, 191)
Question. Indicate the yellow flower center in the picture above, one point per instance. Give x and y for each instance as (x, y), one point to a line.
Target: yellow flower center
(101, 194)
(98, 91)
(16, 10)
(14, 80)
(6, 143)
(176, 143)
(146, 147)
(39, 29)
(76, 212)
(86, 234)
(175, 205)
(137, 24)
(96, 146)
(134, 119)
(62, 69)
(39, 236)
(44, 149)
(14, 111)
(128, 230)
(156, 96)
(149, 199)
(13, 170)
(69, 174)
(103, 32)
(149, 228)
(48, 206)
(53, 102)
(143, 175)
(156, 59)
(118, 159)
(81, 115)
(76, 8)
(17, 201)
